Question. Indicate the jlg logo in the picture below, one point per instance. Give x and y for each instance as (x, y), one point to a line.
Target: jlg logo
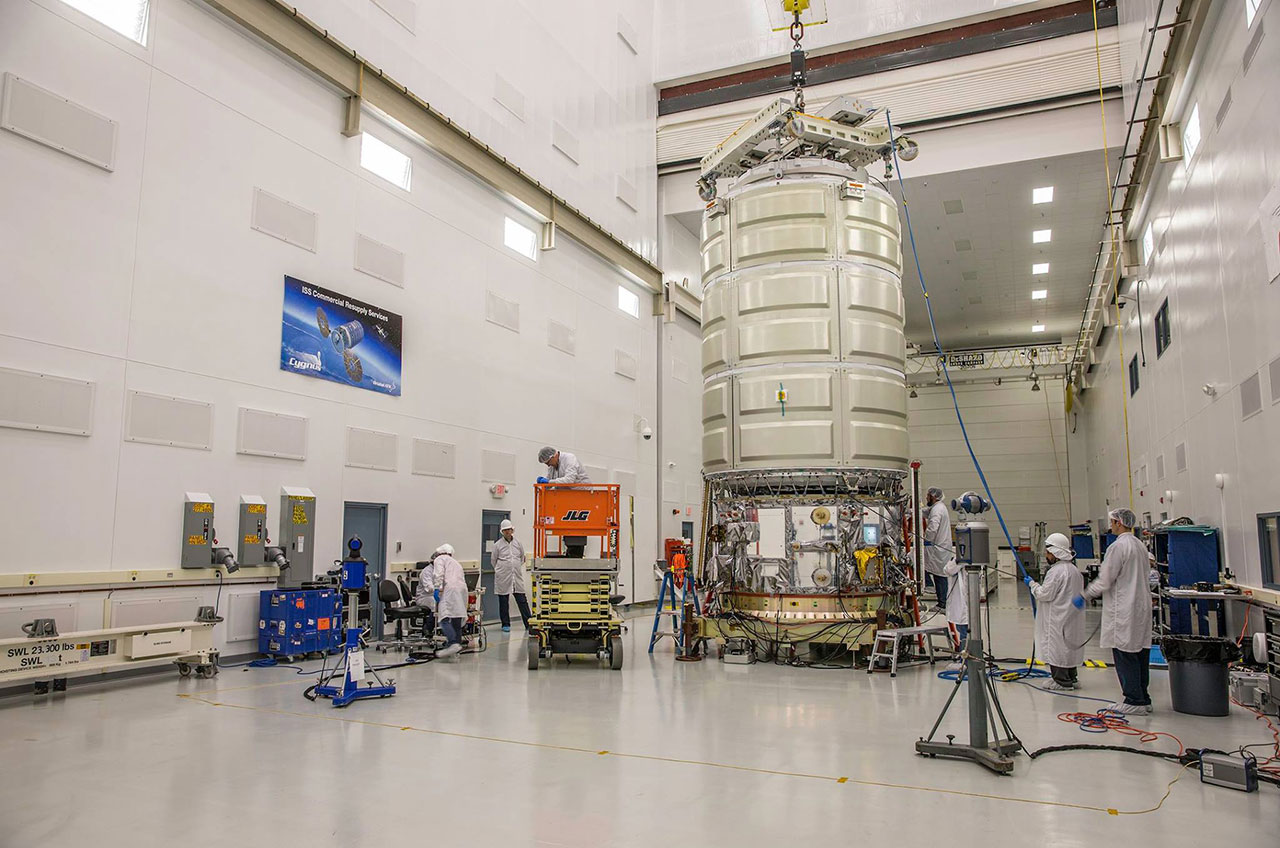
(577, 515)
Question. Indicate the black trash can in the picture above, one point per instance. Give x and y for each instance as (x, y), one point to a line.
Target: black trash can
(1198, 680)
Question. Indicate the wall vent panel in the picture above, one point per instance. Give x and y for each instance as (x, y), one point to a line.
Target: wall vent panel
(263, 433)
(34, 401)
(1223, 108)
(1180, 457)
(434, 459)
(1159, 467)
(242, 616)
(403, 12)
(497, 467)
(1251, 396)
(1251, 49)
(283, 220)
(596, 473)
(508, 96)
(172, 421)
(565, 141)
(54, 121)
(12, 618)
(562, 337)
(379, 260)
(624, 364)
(626, 481)
(132, 613)
(371, 449)
(670, 491)
(692, 494)
(500, 311)
(1273, 371)
(627, 34)
(625, 191)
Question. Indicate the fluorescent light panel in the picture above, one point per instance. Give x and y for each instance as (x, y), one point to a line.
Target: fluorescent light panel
(127, 17)
(1041, 236)
(1040, 268)
(1039, 294)
(1044, 194)
(1037, 328)
(629, 301)
(378, 157)
(521, 239)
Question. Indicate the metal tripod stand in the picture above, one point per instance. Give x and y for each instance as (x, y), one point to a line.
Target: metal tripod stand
(993, 753)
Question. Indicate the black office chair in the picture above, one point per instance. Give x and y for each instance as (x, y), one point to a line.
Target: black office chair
(389, 593)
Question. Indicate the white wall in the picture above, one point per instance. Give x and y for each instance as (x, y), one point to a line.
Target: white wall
(149, 278)
(742, 36)
(1209, 264)
(1019, 437)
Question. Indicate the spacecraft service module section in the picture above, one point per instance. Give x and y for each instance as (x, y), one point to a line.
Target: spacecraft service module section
(334, 337)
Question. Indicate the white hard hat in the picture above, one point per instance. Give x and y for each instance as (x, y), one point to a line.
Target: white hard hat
(506, 525)
(1059, 545)
(446, 548)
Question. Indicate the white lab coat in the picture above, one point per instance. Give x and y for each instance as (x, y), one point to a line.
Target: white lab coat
(425, 596)
(507, 559)
(957, 593)
(1059, 625)
(1126, 595)
(937, 537)
(570, 470)
(452, 583)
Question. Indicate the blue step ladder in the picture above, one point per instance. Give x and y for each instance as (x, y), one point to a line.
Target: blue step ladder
(675, 612)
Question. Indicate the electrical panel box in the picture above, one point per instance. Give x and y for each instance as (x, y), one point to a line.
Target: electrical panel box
(297, 534)
(197, 530)
(253, 530)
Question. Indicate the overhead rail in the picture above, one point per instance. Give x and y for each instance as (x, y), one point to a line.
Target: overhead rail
(365, 86)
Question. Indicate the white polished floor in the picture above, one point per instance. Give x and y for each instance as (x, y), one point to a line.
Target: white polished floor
(481, 751)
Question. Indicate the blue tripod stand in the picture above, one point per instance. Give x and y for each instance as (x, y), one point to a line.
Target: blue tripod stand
(352, 667)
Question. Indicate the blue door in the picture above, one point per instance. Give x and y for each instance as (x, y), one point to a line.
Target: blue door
(369, 522)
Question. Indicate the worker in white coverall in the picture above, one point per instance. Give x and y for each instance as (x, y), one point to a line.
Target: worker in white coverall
(451, 597)
(1059, 625)
(937, 543)
(562, 467)
(1126, 612)
(507, 558)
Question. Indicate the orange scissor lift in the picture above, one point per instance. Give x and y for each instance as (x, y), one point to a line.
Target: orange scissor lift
(573, 596)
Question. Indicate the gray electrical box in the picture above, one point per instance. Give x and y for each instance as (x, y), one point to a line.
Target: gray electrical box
(297, 534)
(253, 530)
(197, 530)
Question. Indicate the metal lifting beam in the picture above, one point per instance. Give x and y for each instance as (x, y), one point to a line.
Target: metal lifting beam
(282, 27)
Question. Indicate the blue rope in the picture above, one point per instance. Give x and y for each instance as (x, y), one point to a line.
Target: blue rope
(942, 358)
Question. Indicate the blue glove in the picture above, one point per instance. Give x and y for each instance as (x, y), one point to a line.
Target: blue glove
(1078, 602)
(543, 480)
(1027, 580)
(436, 595)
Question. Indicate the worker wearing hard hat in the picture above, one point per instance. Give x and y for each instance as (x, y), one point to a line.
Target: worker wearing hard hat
(507, 558)
(938, 549)
(451, 597)
(1126, 612)
(1059, 625)
(562, 467)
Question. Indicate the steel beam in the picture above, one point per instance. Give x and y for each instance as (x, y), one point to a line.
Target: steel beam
(282, 27)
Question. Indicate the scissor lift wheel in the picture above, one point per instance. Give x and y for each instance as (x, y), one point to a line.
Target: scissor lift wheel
(615, 653)
(535, 649)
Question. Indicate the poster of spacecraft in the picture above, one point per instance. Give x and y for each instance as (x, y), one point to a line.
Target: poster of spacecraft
(334, 337)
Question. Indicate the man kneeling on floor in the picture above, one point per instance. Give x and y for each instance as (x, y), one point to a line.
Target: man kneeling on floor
(1059, 625)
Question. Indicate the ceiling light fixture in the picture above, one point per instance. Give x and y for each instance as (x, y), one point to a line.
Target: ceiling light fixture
(1039, 294)
(1038, 268)
(914, 393)
(1044, 194)
(1041, 236)
(1037, 328)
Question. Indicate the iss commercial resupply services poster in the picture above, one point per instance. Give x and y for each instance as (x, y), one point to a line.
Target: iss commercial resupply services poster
(334, 337)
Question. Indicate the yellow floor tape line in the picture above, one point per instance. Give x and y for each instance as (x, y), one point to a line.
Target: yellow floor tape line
(673, 760)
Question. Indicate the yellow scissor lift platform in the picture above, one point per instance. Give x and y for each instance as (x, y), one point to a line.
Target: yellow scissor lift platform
(573, 596)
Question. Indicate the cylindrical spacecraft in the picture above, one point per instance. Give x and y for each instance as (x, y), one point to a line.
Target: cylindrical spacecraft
(347, 336)
(803, 349)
